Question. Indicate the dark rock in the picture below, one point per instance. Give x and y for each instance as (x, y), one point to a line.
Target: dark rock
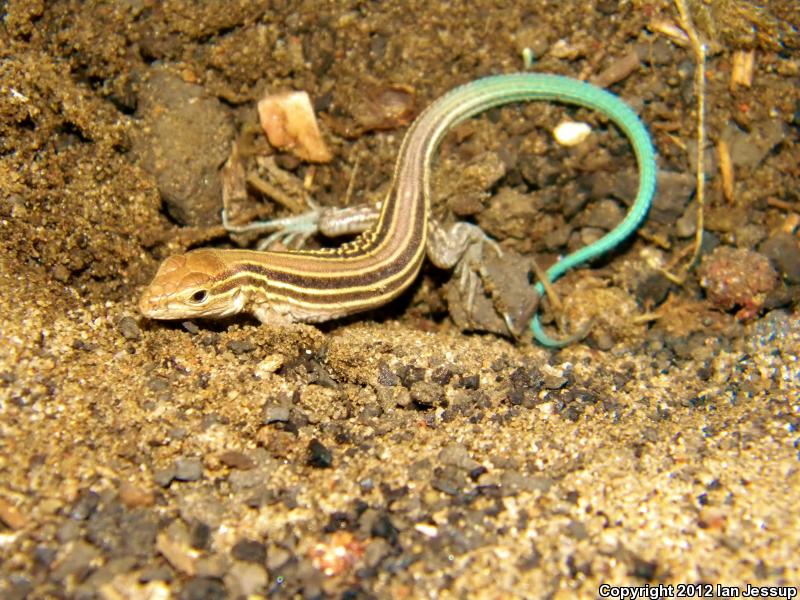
(249, 551)
(411, 374)
(470, 382)
(45, 556)
(442, 376)
(122, 533)
(318, 455)
(200, 535)
(384, 528)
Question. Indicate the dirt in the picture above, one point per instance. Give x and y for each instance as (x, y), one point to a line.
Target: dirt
(392, 455)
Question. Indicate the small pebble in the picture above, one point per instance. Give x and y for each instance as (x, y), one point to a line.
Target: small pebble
(653, 289)
(737, 277)
(249, 551)
(85, 505)
(427, 394)
(200, 535)
(203, 588)
(470, 382)
(237, 460)
(319, 456)
(411, 374)
(783, 250)
(457, 455)
(191, 327)
(12, 516)
(385, 375)
(129, 328)
(178, 553)
(571, 133)
(188, 469)
(246, 579)
(132, 495)
(386, 107)
(240, 346)
(275, 413)
(76, 560)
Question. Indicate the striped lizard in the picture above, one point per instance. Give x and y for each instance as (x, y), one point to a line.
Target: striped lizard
(317, 285)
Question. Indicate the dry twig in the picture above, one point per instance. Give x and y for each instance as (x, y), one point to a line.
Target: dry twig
(700, 85)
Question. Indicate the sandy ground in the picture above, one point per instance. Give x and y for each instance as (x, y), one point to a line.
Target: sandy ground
(392, 455)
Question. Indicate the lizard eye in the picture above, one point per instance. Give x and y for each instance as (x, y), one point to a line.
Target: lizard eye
(199, 297)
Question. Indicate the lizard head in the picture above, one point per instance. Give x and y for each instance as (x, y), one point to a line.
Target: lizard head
(187, 286)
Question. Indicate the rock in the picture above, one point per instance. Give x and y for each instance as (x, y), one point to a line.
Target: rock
(188, 469)
(427, 394)
(241, 346)
(673, 191)
(456, 455)
(750, 149)
(76, 561)
(203, 588)
(84, 506)
(275, 413)
(129, 328)
(246, 579)
(319, 456)
(237, 460)
(737, 277)
(163, 477)
(182, 140)
(249, 551)
(783, 250)
(133, 495)
(605, 214)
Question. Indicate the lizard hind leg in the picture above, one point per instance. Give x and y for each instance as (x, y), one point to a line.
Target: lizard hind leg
(486, 289)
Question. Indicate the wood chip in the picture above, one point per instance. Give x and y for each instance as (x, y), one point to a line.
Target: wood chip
(742, 69)
(726, 170)
(290, 124)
